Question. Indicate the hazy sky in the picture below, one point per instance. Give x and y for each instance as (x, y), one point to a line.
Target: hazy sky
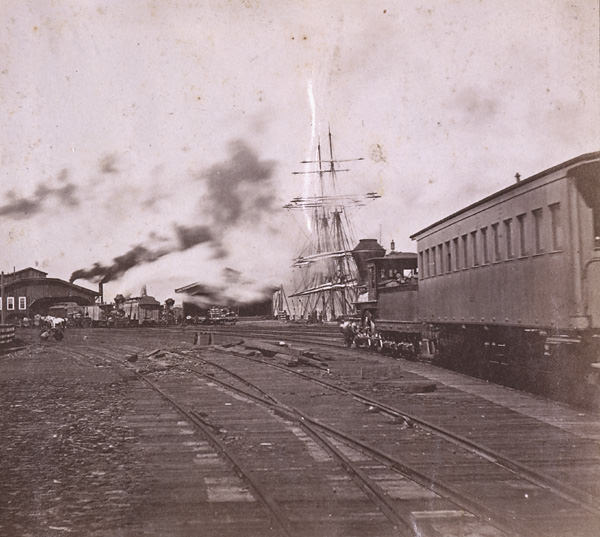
(163, 134)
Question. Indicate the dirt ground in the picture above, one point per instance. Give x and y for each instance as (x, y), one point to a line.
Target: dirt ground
(65, 452)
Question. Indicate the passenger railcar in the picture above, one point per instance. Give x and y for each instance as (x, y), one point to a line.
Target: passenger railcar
(508, 287)
(512, 282)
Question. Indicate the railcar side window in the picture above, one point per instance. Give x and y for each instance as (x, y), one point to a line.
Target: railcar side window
(596, 222)
(433, 261)
(522, 235)
(537, 230)
(441, 254)
(426, 267)
(474, 246)
(448, 257)
(556, 225)
(508, 233)
(465, 251)
(421, 265)
(484, 245)
(456, 258)
(496, 237)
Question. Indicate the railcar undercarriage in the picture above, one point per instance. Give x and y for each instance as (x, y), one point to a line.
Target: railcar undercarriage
(550, 363)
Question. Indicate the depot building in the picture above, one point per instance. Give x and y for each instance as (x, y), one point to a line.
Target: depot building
(29, 291)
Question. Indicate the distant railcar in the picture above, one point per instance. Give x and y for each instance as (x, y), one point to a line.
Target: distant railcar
(508, 287)
(95, 315)
(143, 310)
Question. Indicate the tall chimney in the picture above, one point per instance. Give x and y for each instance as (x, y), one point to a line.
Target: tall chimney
(392, 246)
(101, 292)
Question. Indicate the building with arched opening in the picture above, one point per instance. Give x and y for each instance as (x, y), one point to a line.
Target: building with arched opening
(29, 291)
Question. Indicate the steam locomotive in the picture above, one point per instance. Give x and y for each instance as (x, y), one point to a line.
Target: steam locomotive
(507, 288)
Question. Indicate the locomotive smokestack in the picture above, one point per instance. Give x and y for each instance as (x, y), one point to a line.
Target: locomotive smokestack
(392, 246)
(364, 250)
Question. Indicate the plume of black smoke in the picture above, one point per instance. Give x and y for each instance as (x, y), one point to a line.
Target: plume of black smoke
(193, 235)
(234, 290)
(239, 188)
(18, 207)
(187, 237)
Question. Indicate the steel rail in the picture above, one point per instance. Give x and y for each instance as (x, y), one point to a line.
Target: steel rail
(579, 497)
(271, 504)
(502, 522)
(402, 519)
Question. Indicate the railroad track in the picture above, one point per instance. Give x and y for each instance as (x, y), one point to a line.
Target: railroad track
(343, 450)
(543, 488)
(329, 336)
(536, 483)
(401, 522)
(281, 524)
(587, 500)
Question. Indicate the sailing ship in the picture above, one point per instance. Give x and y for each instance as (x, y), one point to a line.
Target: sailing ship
(328, 278)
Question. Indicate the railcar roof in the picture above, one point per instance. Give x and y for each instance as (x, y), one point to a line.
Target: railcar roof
(580, 158)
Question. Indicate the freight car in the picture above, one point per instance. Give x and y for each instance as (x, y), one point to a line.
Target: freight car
(508, 288)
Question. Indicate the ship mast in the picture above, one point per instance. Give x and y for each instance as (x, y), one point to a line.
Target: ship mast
(329, 272)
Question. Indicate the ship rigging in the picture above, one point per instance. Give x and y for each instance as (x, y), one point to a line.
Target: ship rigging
(327, 272)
